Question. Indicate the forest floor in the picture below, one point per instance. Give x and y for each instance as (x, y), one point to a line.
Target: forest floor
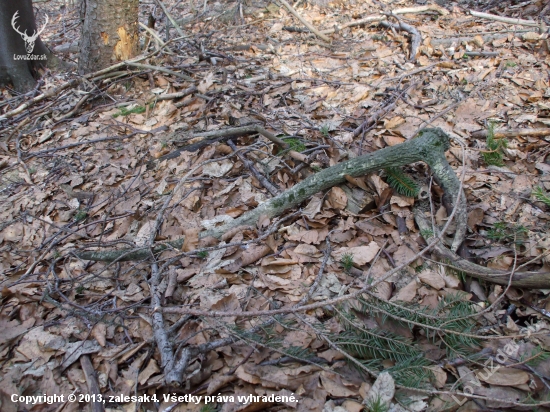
(107, 165)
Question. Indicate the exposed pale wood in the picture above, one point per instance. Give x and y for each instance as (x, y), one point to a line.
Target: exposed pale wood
(510, 133)
(421, 9)
(501, 19)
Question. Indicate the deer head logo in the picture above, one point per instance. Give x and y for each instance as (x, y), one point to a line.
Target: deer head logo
(29, 40)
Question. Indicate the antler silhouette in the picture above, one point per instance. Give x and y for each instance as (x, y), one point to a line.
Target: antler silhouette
(29, 40)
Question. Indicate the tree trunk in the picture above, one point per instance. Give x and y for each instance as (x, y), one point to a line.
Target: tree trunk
(22, 51)
(109, 33)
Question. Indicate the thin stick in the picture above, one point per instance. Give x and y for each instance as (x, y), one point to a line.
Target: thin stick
(422, 9)
(501, 19)
(416, 38)
(177, 95)
(161, 69)
(369, 19)
(172, 20)
(305, 22)
(274, 190)
(152, 33)
(500, 134)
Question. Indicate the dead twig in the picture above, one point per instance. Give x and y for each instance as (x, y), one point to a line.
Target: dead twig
(416, 38)
(305, 22)
(161, 69)
(511, 133)
(271, 188)
(508, 20)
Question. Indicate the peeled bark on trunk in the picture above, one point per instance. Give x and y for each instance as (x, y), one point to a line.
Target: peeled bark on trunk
(22, 52)
(109, 33)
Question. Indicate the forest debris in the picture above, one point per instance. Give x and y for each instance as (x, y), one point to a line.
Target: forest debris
(511, 133)
(504, 19)
(304, 21)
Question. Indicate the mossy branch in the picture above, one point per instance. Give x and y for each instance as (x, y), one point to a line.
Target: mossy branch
(429, 147)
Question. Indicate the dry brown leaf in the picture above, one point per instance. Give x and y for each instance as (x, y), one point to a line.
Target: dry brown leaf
(337, 198)
(361, 254)
(408, 293)
(403, 254)
(357, 181)
(475, 217)
(253, 254)
(206, 82)
(334, 387)
(184, 274)
(313, 207)
(98, 332)
(393, 123)
(218, 382)
(504, 377)
(150, 370)
(372, 228)
(40, 344)
(402, 201)
(432, 278)
(440, 376)
(383, 389)
(191, 239)
(14, 329)
(144, 234)
(440, 216)
(378, 183)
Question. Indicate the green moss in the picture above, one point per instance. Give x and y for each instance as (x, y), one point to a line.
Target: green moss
(278, 203)
(295, 144)
(495, 148)
(125, 112)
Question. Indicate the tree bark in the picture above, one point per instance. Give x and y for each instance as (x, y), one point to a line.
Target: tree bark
(19, 58)
(109, 33)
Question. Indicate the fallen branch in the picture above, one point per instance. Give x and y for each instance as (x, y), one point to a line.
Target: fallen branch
(72, 83)
(429, 147)
(172, 20)
(271, 188)
(369, 19)
(422, 9)
(200, 140)
(177, 95)
(519, 279)
(416, 38)
(380, 17)
(501, 134)
(508, 20)
(92, 383)
(160, 69)
(305, 22)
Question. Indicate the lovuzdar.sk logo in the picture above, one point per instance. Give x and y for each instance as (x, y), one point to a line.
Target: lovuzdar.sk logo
(29, 40)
